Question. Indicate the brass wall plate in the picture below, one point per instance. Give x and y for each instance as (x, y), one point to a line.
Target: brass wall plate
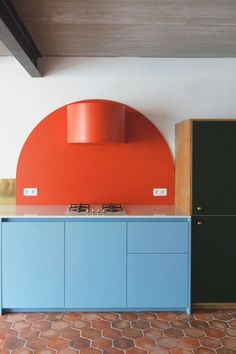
(7, 191)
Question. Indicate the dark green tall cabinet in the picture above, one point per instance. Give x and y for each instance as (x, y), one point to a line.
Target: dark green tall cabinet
(206, 189)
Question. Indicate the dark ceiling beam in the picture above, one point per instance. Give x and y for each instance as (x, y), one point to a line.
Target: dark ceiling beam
(17, 39)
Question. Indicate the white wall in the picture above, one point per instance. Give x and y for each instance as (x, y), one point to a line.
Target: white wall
(164, 90)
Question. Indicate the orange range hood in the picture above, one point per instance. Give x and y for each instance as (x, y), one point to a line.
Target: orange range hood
(96, 122)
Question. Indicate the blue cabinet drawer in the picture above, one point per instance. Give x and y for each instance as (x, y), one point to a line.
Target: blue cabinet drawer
(157, 281)
(158, 237)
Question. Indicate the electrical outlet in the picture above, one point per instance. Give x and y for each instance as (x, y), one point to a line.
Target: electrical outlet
(30, 192)
(159, 192)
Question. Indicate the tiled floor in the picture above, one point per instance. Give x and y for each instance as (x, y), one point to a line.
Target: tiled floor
(117, 333)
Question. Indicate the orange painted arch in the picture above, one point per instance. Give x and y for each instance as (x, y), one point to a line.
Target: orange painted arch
(95, 173)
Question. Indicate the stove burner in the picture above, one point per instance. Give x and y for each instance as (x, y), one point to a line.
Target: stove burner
(80, 208)
(111, 208)
(88, 209)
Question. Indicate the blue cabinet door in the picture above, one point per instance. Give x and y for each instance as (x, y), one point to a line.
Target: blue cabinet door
(157, 281)
(32, 265)
(95, 264)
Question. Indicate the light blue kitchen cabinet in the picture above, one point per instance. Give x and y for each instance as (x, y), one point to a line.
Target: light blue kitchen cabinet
(32, 265)
(95, 265)
(158, 281)
(158, 265)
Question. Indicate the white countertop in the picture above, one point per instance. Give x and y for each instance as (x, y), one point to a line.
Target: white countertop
(59, 211)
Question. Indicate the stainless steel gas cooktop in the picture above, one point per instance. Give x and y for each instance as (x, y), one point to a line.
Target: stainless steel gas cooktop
(96, 209)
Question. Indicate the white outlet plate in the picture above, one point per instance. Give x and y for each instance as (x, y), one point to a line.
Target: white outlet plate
(30, 192)
(159, 192)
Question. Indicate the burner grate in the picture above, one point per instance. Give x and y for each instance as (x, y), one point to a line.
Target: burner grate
(111, 208)
(80, 208)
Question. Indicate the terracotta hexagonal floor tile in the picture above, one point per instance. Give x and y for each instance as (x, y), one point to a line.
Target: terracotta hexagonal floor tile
(123, 343)
(49, 333)
(204, 316)
(173, 333)
(167, 316)
(79, 343)
(70, 333)
(36, 344)
(231, 332)
(233, 313)
(35, 316)
(199, 324)
(204, 350)
(13, 317)
(5, 324)
(42, 325)
(21, 325)
(145, 343)
(120, 324)
(68, 351)
(131, 333)
(188, 342)
(91, 316)
(102, 343)
(148, 316)
(90, 351)
(8, 333)
(46, 351)
(194, 332)
(53, 316)
(214, 332)
(72, 316)
(166, 343)
(229, 342)
(179, 324)
(101, 324)
(110, 316)
(210, 342)
(224, 350)
(184, 316)
(111, 333)
(13, 343)
(140, 324)
(222, 315)
(28, 333)
(218, 324)
(60, 324)
(158, 351)
(81, 324)
(113, 351)
(129, 316)
(58, 343)
(180, 351)
(91, 333)
(136, 351)
(160, 324)
(4, 351)
(153, 333)
(23, 351)
(232, 323)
